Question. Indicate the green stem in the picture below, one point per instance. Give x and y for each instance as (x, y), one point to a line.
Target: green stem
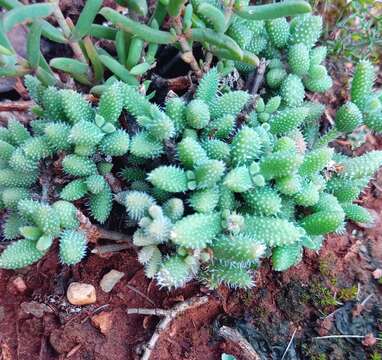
(68, 33)
(187, 54)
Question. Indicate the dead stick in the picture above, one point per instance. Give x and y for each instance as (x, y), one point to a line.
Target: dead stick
(113, 235)
(259, 76)
(94, 232)
(16, 105)
(208, 61)
(26, 105)
(169, 315)
(234, 336)
(176, 84)
(132, 288)
(342, 337)
(289, 344)
(155, 312)
(104, 249)
(187, 54)
(114, 183)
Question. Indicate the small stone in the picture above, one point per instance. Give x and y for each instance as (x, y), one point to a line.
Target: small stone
(377, 274)
(81, 294)
(19, 284)
(102, 321)
(110, 279)
(35, 308)
(369, 340)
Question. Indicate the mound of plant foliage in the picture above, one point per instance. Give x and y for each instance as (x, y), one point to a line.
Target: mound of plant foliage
(213, 182)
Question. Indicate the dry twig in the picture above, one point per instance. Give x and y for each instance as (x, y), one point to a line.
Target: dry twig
(94, 232)
(16, 105)
(169, 316)
(104, 249)
(259, 78)
(176, 84)
(342, 337)
(234, 336)
(289, 344)
(26, 105)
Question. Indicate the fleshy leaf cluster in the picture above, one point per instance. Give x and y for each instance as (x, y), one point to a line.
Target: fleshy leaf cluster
(213, 182)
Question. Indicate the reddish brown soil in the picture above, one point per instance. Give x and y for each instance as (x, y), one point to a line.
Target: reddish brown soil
(65, 331)
(51, 328)
(268, 315)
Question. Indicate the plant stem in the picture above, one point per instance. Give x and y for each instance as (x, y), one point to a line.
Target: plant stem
(187, 54)
(228, 11)
(104, 249)
(113, 235)
(259, 78)
(68, 33)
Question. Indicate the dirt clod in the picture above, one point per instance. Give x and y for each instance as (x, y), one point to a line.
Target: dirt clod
(103, 321)
(36, 309)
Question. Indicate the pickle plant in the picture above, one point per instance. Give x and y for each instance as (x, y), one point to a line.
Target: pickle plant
(212, 184)
(214, 25)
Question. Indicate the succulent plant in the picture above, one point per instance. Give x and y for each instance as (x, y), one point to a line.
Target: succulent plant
(212, 184)
(225, 30)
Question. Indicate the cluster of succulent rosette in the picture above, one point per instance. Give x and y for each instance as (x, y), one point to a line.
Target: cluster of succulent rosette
(212, 184)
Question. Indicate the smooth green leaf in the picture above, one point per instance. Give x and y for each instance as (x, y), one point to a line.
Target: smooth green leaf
(140, 69)
(139, 6)
(135, 52)
(82, 79)
(5, 51)
(13, 71)
(45, 77)
(10, 4)
(103, 32)
(33, 44)
(119, 70)
(141, 30)
(4, 41)
(122, 40)
(274, 11)
(52, 33)
(174, 7)
(86, 18)
(98, 68)
(28, 12)
(70, 66)
(221, 41)
(44, 65)
(214, 15)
